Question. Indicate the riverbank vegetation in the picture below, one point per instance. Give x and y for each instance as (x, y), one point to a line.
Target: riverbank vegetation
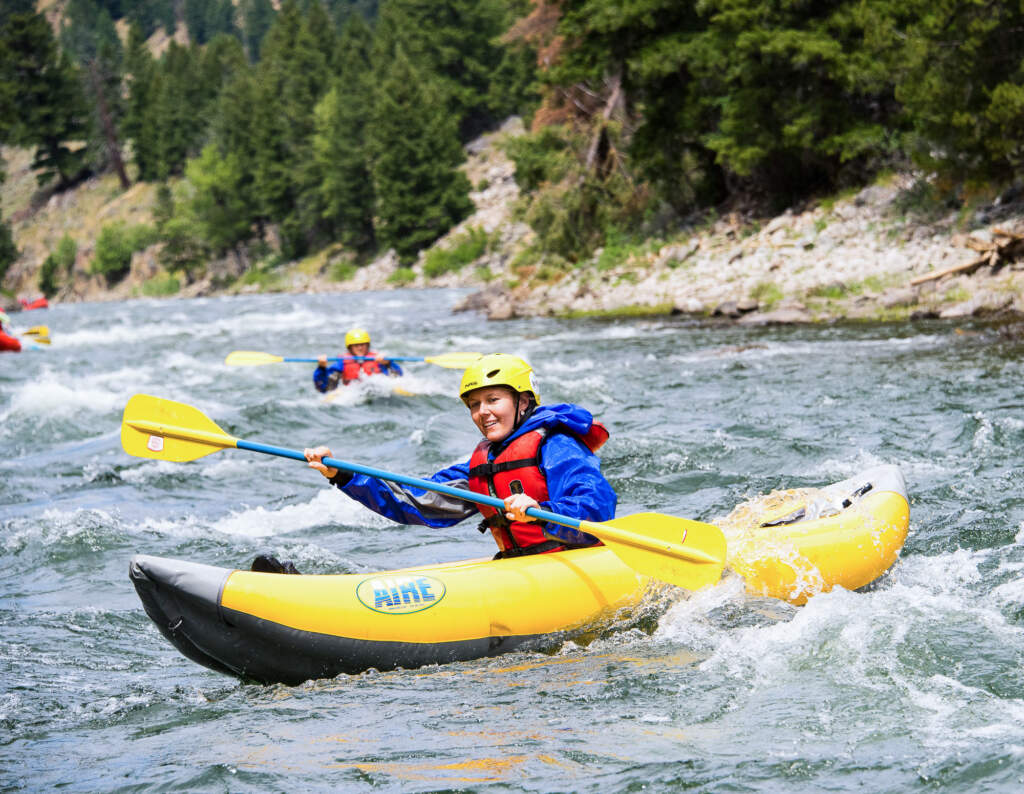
(277, 134)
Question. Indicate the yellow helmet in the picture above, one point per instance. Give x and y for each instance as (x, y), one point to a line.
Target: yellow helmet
(499, 369)
(357, 336)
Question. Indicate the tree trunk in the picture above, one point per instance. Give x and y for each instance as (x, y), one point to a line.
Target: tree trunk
(609, 109)
(109, 132)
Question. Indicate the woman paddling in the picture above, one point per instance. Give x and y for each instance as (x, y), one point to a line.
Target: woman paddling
(344, 371)
(530, 456)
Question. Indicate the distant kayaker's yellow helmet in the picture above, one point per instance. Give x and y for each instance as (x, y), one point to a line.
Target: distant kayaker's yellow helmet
(357, 336)
(499, 369)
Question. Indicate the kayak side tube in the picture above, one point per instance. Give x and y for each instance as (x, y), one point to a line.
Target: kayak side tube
(866, 521)
(289, 629)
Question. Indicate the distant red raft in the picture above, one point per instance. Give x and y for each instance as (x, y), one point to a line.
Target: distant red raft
(38, 303)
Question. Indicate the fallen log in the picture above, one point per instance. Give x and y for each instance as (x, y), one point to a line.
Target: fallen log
(1006, 247)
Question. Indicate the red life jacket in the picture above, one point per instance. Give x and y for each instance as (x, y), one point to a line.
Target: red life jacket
(351, 370)
(9, 343)
(516, 469)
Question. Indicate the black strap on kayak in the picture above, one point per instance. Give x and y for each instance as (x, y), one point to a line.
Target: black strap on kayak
(798, 514)
(857, 494)
(791, 518)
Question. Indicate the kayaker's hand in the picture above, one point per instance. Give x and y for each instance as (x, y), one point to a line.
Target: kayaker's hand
(322, 361)
(516, 506)
(381, 360)
(314, 456)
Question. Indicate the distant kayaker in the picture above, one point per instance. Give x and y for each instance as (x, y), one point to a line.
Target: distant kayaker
(328, 377)
(531, 456)
(8, 343)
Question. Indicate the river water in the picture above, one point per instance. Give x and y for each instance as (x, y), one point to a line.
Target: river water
(916, 683)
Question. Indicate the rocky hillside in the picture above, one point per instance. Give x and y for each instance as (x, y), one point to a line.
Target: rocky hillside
(874, 254)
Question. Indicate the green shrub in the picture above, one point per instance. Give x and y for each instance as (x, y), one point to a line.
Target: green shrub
(616, 250)
(57, 266)
(541, 157)
(261, 277)
(8, 250)
(342, 271)
(48, 276)
(467, 248)
(141, 236)
(183, 248)
(402, 276)
(161, 286)
(830, 291)
(115, 246)
(766, 293)
(112, 258)
(956, 295)
(64, 255)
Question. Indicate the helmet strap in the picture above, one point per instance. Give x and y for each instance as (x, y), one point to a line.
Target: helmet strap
(522, 416)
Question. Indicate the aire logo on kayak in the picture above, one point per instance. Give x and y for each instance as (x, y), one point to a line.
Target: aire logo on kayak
(400, 595)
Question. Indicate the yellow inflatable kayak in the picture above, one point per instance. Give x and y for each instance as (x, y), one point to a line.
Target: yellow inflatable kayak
(285, 628)
(376, 387)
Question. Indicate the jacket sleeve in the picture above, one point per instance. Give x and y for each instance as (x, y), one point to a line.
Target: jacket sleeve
(320, 378)
(391, 368)
(576, 487)
(408, 505)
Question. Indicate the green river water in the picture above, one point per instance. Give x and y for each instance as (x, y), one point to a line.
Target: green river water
(916, 683)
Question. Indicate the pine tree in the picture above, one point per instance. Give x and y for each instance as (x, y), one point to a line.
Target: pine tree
(176, 114)
(415, 155)
(959, 76)
(291, 78)
(232, 137)
(456, 41)
(88, 34)
(322, 32)
(219, 61)
(140, 73)
(47, 96)
(149, 15)
(205, 19)
(339, 143)
(8, 250)
(218, 205)
(257, 17)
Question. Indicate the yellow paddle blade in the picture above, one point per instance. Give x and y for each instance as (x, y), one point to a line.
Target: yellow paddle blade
(251, 358)
(166, 430)
(680, 551)
(38, 330)
(453, 360)
(42, 340)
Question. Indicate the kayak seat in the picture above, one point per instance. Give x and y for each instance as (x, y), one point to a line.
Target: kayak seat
(265, 563)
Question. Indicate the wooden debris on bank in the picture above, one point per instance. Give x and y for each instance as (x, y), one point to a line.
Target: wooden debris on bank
(1004, 248)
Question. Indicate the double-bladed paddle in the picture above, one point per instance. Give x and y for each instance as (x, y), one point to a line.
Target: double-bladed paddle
(680, 551)
(252, 358)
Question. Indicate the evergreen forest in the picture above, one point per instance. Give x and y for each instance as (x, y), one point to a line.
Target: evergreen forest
(278, 129)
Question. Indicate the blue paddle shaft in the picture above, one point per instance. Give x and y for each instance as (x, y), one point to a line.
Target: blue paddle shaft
(415, 482)
(355, 358)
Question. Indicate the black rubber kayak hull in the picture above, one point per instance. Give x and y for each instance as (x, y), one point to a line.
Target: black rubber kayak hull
(183, 600)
